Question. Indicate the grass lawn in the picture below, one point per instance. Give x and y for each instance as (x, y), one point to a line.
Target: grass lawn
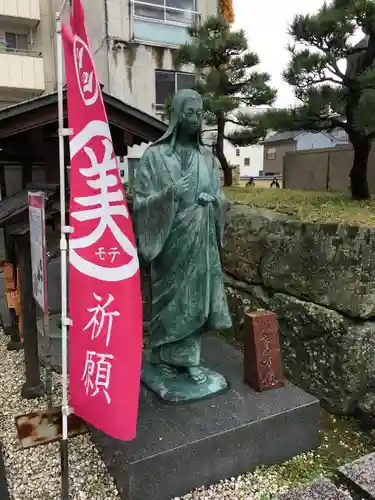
(342, 441)
(310, 206)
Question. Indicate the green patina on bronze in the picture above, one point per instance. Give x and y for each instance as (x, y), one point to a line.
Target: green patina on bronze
(179, 210)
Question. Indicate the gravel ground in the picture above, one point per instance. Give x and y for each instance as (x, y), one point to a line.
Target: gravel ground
(34, 474)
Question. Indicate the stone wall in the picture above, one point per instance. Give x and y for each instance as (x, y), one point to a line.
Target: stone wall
(320, 281)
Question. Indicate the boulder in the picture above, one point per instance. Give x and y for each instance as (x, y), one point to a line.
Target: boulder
(326, 353)
(243, 298)
(245, 239)
(366, 410)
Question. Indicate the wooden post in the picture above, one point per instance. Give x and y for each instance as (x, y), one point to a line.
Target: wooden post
(27, 173)
(51, 159)
(14, 343)
(32, 388)
(262, 356)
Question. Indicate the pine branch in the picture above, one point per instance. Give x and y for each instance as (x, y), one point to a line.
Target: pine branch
(226, 68)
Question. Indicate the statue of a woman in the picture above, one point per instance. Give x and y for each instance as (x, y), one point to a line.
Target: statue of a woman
(179, 210)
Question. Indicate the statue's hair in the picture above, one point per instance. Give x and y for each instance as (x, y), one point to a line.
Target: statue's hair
(178, 101)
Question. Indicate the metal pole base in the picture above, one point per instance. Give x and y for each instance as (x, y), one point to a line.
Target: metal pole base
(64, 469)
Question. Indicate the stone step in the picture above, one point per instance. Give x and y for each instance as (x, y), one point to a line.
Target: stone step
(181, 447)
(361, 473)
(321, 489)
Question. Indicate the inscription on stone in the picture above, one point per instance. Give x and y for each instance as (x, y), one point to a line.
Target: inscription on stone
(262, 355)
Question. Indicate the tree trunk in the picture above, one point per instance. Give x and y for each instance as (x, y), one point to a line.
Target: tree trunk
(227, 171)
(358, 174)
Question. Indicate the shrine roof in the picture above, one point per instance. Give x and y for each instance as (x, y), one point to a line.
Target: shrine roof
(42, 110)
(12, 207)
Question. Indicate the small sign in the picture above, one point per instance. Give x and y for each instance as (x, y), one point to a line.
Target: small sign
(38, 248)
(45, 426)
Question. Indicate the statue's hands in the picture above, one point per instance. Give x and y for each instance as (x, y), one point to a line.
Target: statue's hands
(182, 186)
(205, 198)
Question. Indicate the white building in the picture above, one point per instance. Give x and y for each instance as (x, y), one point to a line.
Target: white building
(134, 43)
(249, 158)
(26, 53)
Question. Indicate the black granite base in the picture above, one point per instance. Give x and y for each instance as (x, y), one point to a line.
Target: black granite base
(179, 448)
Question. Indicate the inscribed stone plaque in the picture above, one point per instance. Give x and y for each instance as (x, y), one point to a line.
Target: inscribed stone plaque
(262, 357)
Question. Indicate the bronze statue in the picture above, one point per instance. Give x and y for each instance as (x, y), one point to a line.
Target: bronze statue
(179, 210)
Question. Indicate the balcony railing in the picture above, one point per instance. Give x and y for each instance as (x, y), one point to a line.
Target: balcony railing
(161, 24)
(164, 14)
(22, 70)
(21, 52)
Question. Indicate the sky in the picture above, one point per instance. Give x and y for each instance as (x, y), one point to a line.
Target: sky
(266, 24)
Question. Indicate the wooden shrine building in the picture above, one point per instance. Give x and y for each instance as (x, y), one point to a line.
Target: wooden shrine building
(29, 159)
(29, 138)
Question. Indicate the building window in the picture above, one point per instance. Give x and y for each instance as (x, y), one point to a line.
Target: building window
(173, 11)
(16, 42)
(167, 83)
(270, 154)
(246, 162)
(238, 152)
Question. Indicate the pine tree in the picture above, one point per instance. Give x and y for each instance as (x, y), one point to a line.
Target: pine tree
(334, 79)
(225, 78)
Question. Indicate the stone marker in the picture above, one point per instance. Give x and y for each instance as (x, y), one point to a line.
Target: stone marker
(262, 356)
(361, 472)
(181, 447)
(319, 490)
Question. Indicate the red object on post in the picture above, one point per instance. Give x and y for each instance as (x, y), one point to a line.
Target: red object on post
(262, 355)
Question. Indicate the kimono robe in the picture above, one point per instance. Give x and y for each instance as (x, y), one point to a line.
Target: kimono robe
(181, 239)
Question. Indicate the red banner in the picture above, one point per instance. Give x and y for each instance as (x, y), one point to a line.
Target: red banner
(105, 340)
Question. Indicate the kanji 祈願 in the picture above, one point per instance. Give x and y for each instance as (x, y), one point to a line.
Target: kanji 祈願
(97, 374)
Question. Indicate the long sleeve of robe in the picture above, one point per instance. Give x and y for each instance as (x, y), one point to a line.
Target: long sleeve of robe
(155, 207)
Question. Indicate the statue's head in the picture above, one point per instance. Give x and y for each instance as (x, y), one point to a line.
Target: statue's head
(186, 117)
(187, 105)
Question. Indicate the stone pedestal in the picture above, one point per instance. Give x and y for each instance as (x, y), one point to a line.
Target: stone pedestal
(179, 448)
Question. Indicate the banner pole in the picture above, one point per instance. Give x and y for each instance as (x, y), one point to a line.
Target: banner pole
(62, 8)
(63, 250)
